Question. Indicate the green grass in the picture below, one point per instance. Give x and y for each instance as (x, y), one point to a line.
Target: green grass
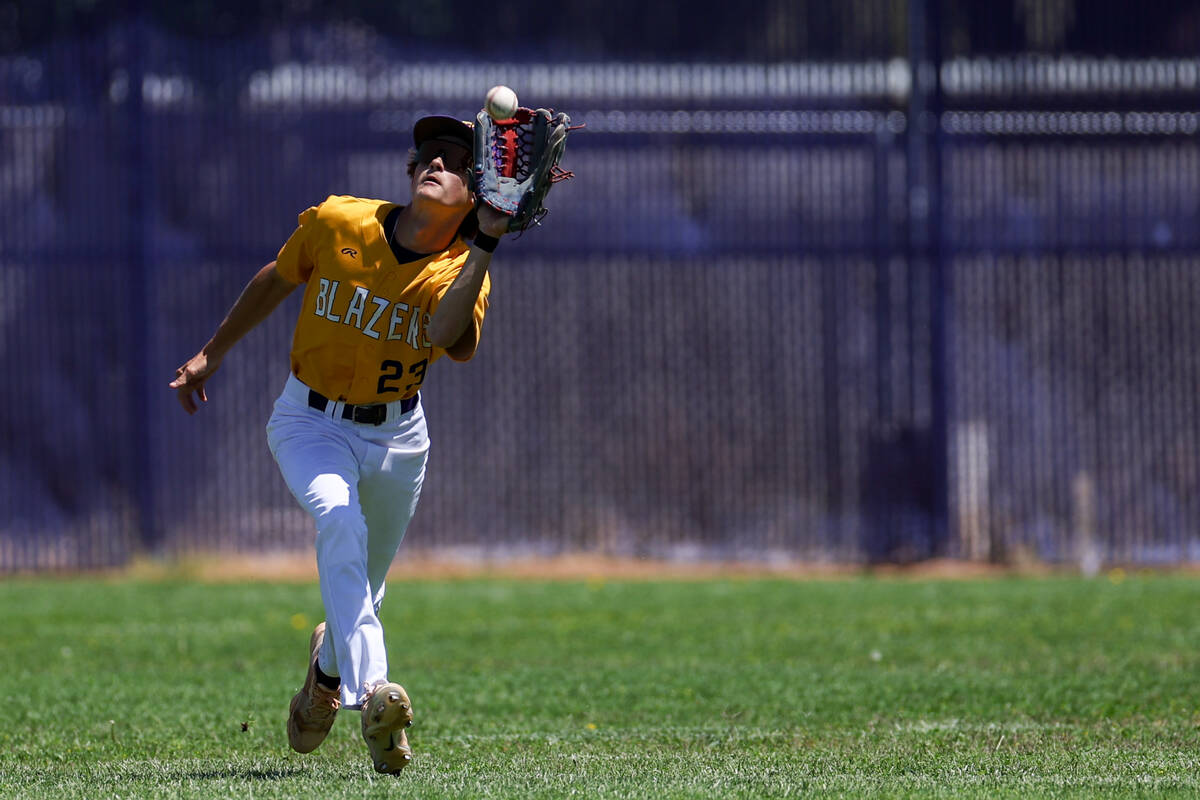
(1050, 687)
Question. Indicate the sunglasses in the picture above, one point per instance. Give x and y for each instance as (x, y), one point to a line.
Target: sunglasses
(454, 157)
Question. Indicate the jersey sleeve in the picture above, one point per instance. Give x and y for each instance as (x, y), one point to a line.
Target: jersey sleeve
(295, 259)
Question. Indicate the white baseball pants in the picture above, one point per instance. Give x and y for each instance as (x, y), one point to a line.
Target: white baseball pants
(360, 483)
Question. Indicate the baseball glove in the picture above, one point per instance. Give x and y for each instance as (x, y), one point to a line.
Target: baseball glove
(516, 162)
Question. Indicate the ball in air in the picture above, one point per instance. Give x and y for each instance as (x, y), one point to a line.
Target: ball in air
(501, 102)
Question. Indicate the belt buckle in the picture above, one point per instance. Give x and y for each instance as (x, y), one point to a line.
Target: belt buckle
(370, 415)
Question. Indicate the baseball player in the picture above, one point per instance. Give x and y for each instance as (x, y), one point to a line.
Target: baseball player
(388, 290)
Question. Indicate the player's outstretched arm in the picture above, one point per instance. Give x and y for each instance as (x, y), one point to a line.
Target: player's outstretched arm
(265, 291)
(450, 327)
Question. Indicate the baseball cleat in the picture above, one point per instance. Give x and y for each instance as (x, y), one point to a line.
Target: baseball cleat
(311, 713)
(386, 712)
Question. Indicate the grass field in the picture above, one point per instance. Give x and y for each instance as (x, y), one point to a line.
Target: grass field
(854, 687)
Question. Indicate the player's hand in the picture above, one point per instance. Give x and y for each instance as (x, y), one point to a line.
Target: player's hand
(190, 379)
(491, 221)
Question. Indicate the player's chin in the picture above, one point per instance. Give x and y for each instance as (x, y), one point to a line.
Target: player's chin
(430, 189)
(441, 197)
(434, 192)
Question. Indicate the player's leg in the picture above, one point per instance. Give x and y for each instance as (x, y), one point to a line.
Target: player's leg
(320, 464)
(392, 476)
(390, 488)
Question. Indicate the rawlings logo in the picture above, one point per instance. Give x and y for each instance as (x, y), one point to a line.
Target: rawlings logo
(349, 251)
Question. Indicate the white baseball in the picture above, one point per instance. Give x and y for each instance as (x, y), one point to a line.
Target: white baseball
(501, 102)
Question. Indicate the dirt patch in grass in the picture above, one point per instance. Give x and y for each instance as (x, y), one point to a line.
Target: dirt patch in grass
(301, 567)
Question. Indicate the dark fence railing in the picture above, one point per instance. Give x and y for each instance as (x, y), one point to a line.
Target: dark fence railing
(908, 302)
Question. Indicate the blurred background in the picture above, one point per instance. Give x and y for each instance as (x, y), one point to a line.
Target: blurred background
(850, 282)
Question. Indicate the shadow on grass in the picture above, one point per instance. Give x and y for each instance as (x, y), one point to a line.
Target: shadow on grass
(245, 773)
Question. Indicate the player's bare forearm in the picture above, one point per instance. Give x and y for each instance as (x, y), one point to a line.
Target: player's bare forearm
(450, 328)
(456, 311)
(262, 295)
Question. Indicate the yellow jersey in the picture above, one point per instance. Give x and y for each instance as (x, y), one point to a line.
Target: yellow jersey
(362, 334)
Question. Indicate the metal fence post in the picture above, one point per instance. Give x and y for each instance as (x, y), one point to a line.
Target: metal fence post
(139, 300)
(924, 242)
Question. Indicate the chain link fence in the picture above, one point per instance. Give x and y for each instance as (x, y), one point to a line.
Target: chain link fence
(912, 280)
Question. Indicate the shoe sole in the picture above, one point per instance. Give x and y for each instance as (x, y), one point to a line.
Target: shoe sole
(385, 717)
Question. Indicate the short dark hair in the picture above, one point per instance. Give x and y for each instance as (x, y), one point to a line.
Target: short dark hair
(470, 224)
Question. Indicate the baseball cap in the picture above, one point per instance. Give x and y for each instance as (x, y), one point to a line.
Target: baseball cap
(438, 127)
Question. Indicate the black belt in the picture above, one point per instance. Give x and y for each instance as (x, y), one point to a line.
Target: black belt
(373, 414)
